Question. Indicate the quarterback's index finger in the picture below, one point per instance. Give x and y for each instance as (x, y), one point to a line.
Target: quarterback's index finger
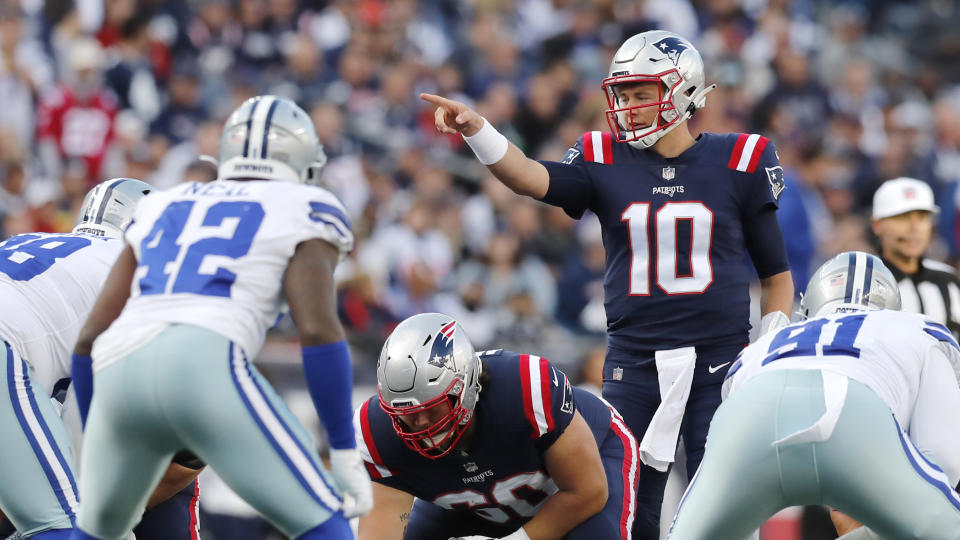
(437, 100)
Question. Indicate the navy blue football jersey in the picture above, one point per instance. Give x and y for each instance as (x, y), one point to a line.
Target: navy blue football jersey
(677, 268)
(526, 405)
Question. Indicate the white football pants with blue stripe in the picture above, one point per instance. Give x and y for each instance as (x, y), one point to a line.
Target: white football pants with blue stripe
(190, 388)
(38, 490)
(867, 468)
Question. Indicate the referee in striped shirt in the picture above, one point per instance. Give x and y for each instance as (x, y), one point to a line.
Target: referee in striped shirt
(903, 217)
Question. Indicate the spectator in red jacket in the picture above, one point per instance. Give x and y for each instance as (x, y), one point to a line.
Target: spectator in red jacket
(76, 118)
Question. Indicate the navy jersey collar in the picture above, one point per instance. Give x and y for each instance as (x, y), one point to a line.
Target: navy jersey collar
(688, 155)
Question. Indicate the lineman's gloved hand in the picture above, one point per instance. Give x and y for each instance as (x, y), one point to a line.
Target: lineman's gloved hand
(348, 471)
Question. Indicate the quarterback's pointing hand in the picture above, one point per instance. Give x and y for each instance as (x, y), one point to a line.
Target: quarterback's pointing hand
(454, 117)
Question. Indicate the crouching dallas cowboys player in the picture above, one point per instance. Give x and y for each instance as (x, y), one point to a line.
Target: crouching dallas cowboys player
(204, 274)
(48, 284)
(856, 408)
(497, 444)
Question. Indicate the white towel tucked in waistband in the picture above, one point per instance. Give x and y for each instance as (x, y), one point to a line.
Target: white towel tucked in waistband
(675, 372)
(834, 396)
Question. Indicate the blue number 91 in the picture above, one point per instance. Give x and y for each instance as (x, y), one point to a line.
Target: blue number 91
(808, 339)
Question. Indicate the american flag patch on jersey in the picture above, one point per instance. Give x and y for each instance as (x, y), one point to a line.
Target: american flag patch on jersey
(746, 153)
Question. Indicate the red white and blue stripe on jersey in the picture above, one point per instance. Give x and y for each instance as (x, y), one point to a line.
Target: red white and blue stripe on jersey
(629, 471)
(746, 152)
(598, 147)
(195, 511)
(537, 401)
(366, 444)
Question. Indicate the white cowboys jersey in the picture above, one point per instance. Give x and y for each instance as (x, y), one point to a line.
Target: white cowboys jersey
(911, 362)
(48, 285)
(214, 255)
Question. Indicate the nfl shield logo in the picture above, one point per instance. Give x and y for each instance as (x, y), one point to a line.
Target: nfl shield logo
(669, 173)
(470, 466)
(618, 373)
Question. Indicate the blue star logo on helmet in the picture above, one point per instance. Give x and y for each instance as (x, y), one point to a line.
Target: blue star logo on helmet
(672, 48)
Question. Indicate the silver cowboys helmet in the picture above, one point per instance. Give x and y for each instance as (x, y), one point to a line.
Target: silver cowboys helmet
(272, 138)
(660, 57)
(428, 364)
(851, 281)
(107, 209)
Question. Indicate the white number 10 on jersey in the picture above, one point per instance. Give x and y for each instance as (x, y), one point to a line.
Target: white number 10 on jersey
(637, 216)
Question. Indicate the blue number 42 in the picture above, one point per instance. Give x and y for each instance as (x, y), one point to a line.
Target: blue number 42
(160, 248)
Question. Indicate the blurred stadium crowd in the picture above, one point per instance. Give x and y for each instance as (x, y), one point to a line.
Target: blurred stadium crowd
(852, 92)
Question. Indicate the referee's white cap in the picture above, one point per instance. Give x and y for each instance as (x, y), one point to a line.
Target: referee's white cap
(902, 195)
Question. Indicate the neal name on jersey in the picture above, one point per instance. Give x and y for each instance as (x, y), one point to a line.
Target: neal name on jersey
(214, 255)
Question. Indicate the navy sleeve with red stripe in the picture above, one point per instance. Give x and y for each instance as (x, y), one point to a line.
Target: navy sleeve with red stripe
(547, 399)
(570, 186)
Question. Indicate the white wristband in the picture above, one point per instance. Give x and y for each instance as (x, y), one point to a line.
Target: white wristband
(488, 144)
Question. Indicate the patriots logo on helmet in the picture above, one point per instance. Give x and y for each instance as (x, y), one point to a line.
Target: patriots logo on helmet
(672, 47)
(441, 354)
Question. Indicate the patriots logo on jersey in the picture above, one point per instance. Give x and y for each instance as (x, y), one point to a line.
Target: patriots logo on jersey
(570, 156)
(672, 47)
(567, 406)
(777, 184)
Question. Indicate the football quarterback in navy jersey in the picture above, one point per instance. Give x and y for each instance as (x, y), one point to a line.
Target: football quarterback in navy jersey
(492, 445)
(679, 217)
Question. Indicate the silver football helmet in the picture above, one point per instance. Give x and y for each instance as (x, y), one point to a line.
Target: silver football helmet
(429, 364)
(107, 209)
(851, 281)
(661, 57)
(272, 138)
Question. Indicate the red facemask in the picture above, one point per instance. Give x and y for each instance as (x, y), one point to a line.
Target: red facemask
(618, 118)
(438, 439)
